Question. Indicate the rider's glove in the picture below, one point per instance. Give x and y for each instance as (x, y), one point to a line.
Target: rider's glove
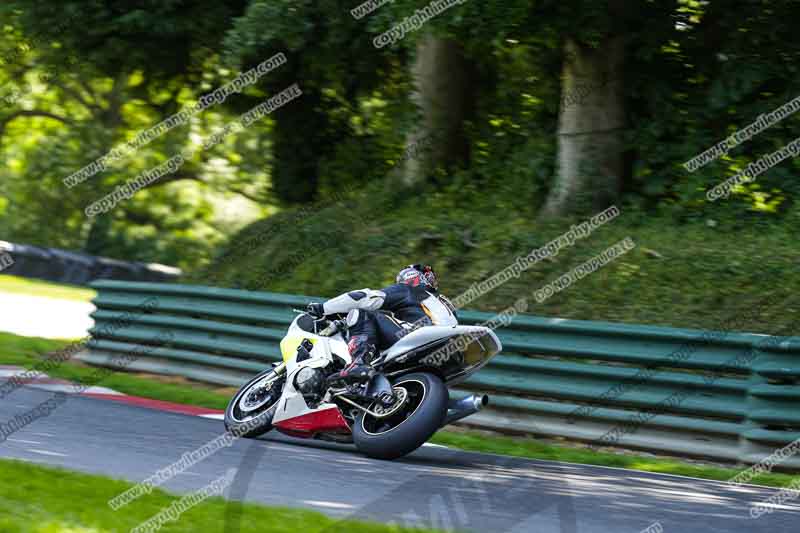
(315, 309)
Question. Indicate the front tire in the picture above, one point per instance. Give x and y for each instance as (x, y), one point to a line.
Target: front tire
(406, 430)
(245, 416)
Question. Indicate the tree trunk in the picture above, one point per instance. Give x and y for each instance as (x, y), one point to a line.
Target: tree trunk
(299, 143)
(590, 127)
(443, 93)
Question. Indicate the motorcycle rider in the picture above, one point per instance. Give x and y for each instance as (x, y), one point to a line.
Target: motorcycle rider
(413, 300)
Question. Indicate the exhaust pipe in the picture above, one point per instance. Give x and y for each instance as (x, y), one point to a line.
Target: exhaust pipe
(458, 409)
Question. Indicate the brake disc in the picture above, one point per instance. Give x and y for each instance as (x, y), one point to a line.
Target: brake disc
(257, 396)
(381, 411)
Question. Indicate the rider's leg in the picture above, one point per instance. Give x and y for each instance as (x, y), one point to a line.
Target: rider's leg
(390, 330)
(364, 336)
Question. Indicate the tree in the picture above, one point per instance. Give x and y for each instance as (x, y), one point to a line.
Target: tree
(84, 79)
(332, 59)
(591, 123)
(443, 93)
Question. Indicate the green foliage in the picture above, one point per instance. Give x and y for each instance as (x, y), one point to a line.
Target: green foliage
(336, 66)
(80, 77)
(62, 119)
(695, 85)
(684, 271)
(152, 36)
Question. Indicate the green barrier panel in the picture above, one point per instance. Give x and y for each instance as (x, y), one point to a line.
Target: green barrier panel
(723, 395)
(773, 403)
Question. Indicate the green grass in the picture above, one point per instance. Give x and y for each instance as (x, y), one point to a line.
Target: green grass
(27, 351)
(23, 351)
(15, 349)
(35, 287)
(36, 499)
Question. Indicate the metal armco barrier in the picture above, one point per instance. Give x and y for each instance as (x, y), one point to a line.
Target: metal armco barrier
(722, 395)
(77, 268)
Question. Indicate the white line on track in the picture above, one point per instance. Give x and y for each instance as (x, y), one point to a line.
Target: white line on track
(45, 452)
(330, 505)
(24, 441)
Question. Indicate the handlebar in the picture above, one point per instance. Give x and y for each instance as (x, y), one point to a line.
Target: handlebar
(332, 329)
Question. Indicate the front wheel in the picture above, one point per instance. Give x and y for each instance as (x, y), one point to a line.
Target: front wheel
(400, 430)
(250, 412)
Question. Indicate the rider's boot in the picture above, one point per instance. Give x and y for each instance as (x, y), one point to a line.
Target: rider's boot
(359, 370)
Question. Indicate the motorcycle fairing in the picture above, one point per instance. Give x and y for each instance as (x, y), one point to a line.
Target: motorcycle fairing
(426, 335)
(290, 344)
(420, 348)
(295, 416)
(325, 419)
(325, 348)
(470, 348)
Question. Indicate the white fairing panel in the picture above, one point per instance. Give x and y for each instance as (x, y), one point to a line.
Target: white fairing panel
(440, 314)
(322, 353)
(292, 403)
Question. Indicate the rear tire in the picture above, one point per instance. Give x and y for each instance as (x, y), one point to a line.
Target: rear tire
(253, 423)
(408, 429)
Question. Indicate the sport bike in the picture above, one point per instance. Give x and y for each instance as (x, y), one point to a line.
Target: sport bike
(392, 413)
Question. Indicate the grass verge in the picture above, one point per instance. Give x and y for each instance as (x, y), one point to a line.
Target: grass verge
(35, 287)
(27, 351)
(24, 351)
(40, 499)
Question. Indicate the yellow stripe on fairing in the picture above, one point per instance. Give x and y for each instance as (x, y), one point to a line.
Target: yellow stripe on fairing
(427, 312)
(289, 346)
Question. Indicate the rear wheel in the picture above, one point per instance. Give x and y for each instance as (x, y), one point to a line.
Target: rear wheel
(250, 412)
(401, 429)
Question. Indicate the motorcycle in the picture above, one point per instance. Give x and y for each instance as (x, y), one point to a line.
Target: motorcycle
(402, 404)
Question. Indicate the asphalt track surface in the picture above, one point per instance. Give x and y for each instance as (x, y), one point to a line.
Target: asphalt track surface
(433, 486)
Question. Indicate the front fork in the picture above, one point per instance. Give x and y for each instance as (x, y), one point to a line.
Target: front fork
(279, 369)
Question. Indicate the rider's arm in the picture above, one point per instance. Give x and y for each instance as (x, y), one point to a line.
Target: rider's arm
(363, 299)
